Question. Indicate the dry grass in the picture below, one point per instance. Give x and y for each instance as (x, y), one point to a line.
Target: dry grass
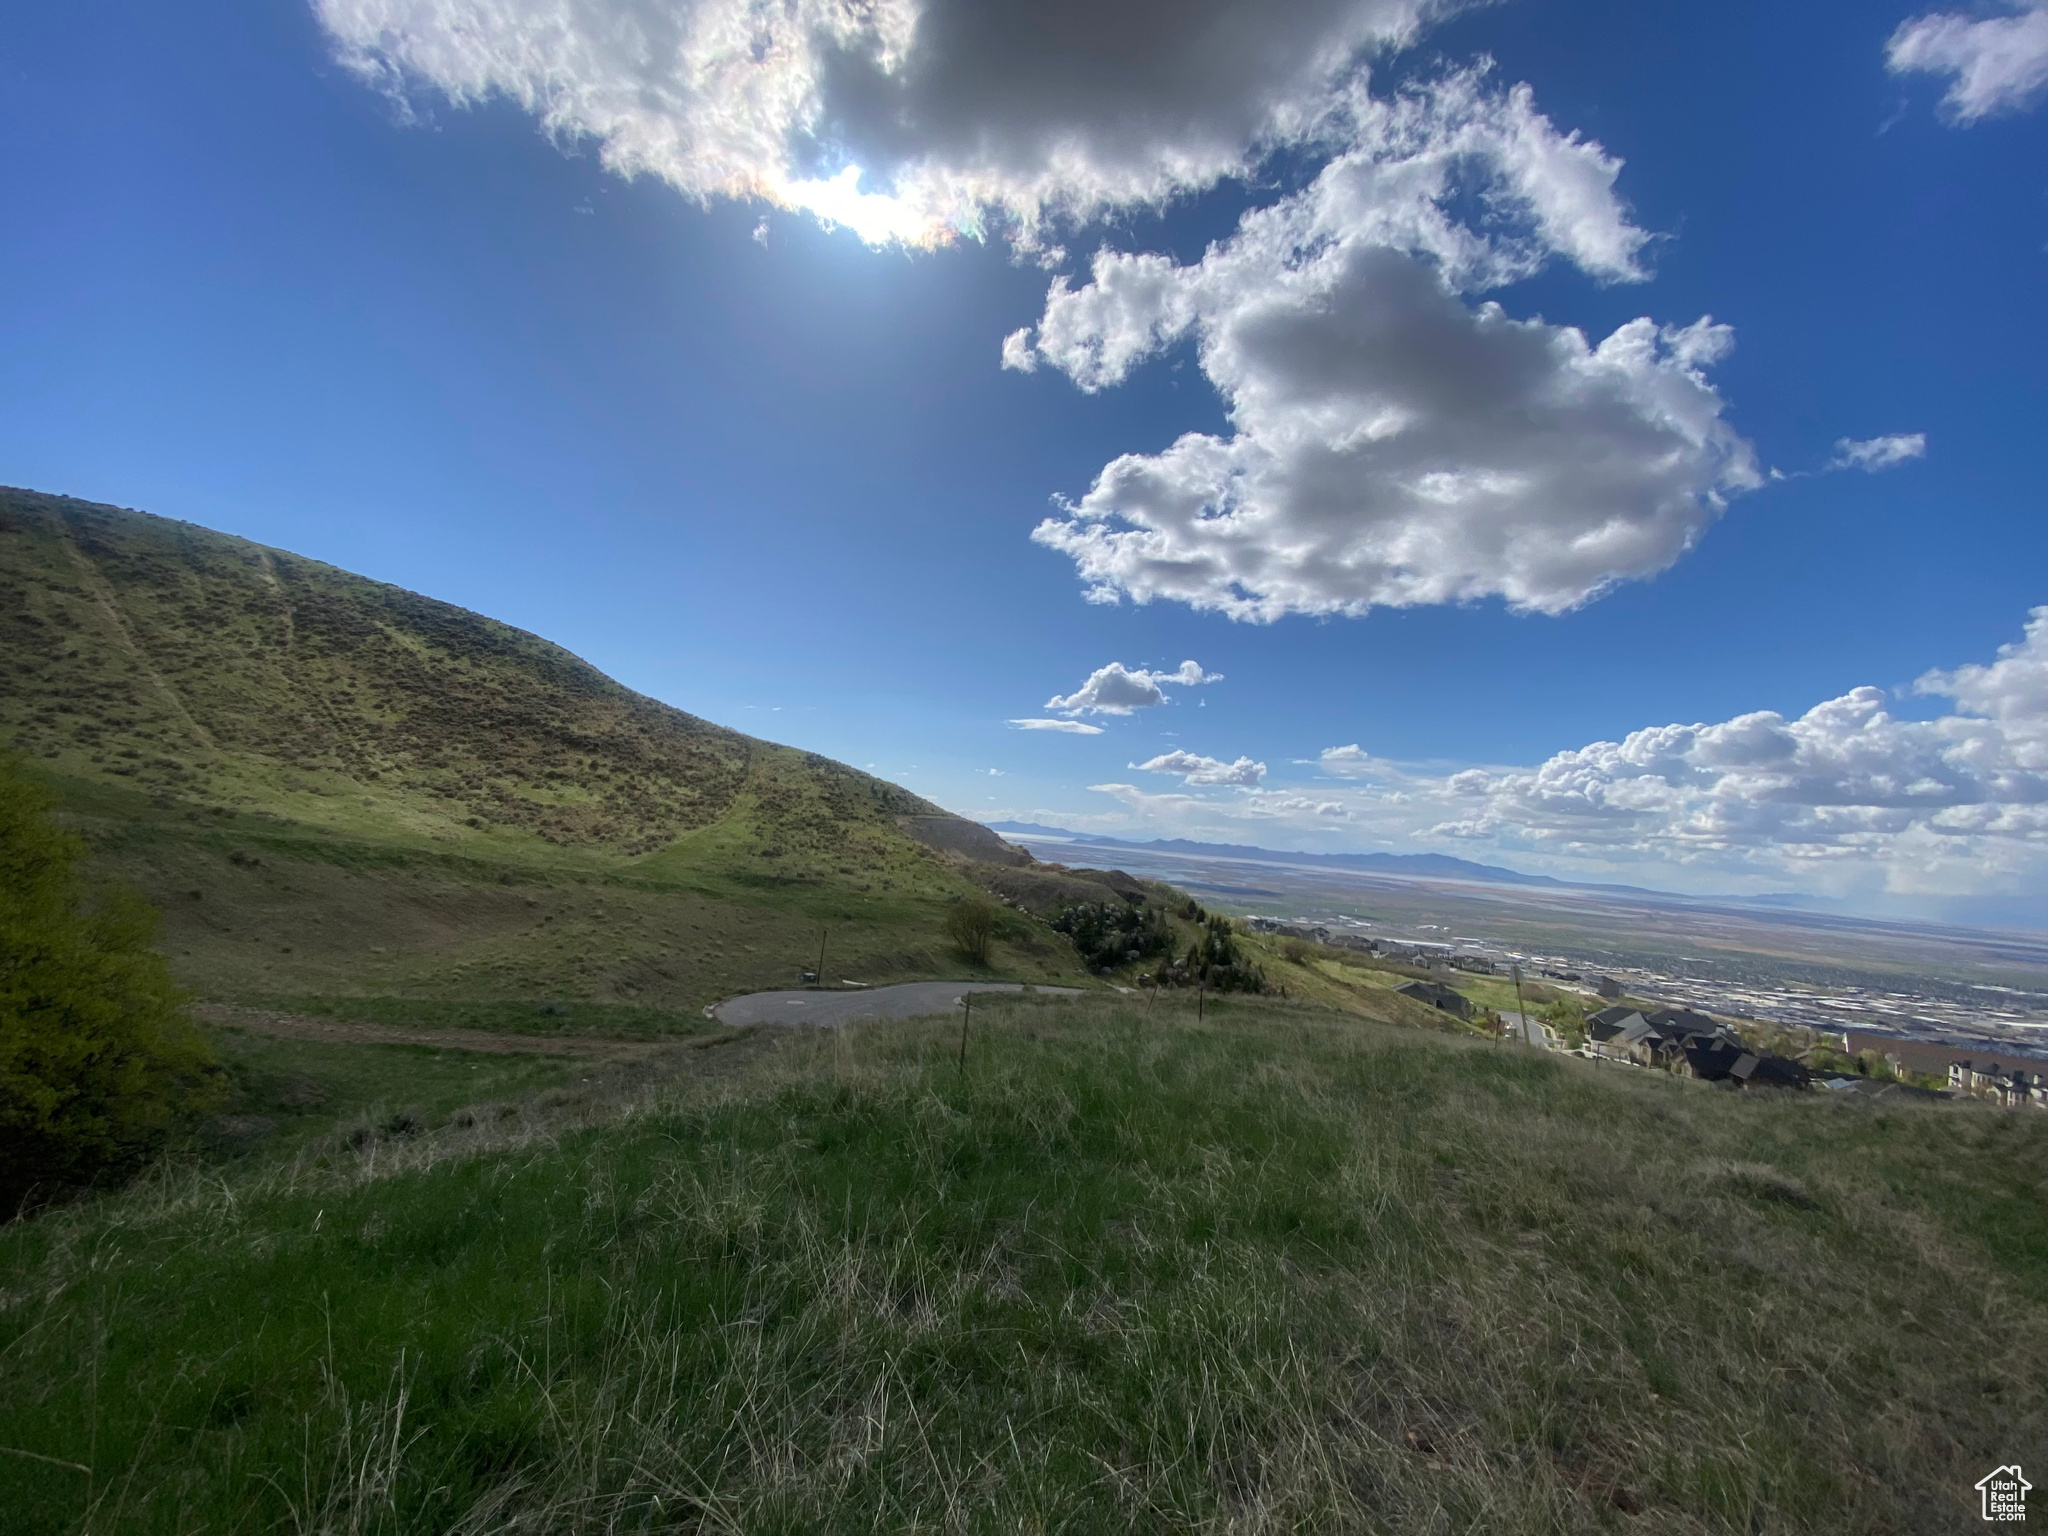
(1278, 1272)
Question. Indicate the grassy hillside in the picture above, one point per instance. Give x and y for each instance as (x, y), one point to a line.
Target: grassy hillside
(333, 786)
(1283, 1271)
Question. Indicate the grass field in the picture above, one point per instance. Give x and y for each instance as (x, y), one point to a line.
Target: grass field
(289, 1092)
(1284, 1270)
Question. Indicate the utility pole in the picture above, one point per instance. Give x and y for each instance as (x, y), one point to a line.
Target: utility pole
(1521, 1008)
(967, 1014)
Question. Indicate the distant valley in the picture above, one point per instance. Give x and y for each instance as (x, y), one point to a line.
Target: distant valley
(1441, 866)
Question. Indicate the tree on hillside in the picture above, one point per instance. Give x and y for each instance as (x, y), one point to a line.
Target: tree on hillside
(1212, 961)
(971, 925)
(97, 1061)
(1112, 933)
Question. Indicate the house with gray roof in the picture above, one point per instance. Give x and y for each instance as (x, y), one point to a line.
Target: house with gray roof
(1438, 996)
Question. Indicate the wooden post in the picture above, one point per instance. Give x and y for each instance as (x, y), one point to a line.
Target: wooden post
(822, 931)
(1201, 988)
(1521, 1008)
(966, 1015)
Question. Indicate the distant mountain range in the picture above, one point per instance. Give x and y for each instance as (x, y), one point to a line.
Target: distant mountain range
(1429, 865)
(1987, 912)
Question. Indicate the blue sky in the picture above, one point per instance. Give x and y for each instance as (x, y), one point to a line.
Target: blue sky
(323, 277)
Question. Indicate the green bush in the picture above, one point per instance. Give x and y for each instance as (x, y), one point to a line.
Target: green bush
(971, 925)
(1112, 933)
(1212, 962)
(97, 1061)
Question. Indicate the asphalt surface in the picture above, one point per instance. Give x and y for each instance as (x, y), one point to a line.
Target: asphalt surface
(827, 1010)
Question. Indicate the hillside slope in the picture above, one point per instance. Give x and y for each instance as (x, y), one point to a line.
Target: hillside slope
(333, 785)
(1270, 1270)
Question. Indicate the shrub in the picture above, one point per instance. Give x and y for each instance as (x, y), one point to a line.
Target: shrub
(1112, 933)
(971, 925)
(97, 1061)
(1213, 962)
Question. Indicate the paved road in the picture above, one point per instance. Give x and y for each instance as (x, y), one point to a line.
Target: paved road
(826, 1010)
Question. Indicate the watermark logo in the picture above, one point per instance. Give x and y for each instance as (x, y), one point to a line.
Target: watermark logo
(2005, 1494)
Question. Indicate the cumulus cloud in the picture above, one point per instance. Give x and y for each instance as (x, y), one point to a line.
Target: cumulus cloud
(1849, 798)
(1394, 442)
(1872, 454)
(1395, 437)
(1189, 813)
(1071, 727)
(912, 120)
(1994, 63)
(1348, 762)
(1953, 799)
(1119, 690)
(1195, 769)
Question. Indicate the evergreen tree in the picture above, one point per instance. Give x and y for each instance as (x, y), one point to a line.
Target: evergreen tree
(97, 1060)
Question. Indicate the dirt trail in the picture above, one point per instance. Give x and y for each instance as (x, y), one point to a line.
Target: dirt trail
(299, 1026)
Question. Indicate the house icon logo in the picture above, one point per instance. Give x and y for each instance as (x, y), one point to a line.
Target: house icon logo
(2005, 1494)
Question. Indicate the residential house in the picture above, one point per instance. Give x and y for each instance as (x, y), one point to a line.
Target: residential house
(1768, 1072)
(1708, 1057)
(1677, 1022)
(1990, 1080)
(1438, 996)
(1604, 1023)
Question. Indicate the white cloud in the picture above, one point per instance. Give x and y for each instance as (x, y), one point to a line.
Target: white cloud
(1071, 727)
(1195, 769)
(1872, 454)
(1944, 805)
(1119, 690)
(1393, 442)
(912, 120)
(1994, 63)
(995, 773)
(1847, 799)
(1349, 762)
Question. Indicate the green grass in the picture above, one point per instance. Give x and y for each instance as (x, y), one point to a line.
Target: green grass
(615, 1021)
(1282, 1271)
(288, 1092)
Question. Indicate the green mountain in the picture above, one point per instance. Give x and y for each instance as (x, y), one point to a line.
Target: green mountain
(334, 786)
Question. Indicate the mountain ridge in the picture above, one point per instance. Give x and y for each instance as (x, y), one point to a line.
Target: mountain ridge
(330, 784)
